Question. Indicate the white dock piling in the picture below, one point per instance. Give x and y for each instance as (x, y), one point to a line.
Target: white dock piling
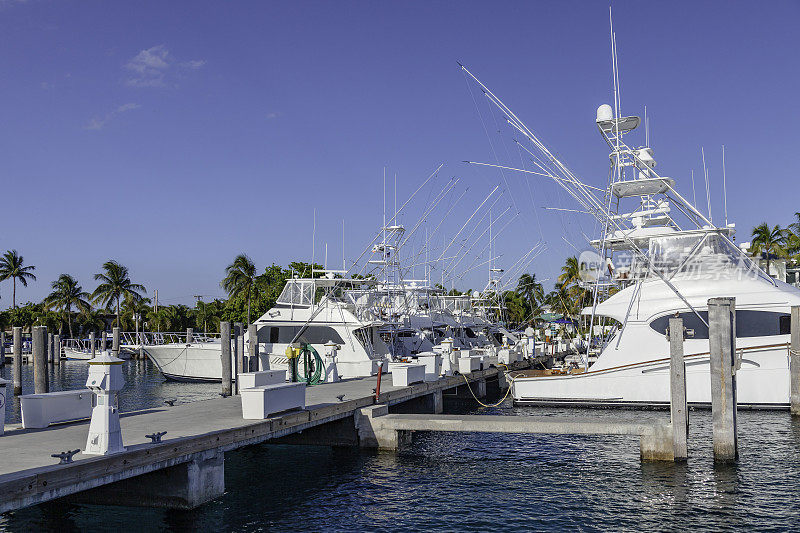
(722, 339)
(92, 344)
(57, 348)
(794, 360)
(2, 349)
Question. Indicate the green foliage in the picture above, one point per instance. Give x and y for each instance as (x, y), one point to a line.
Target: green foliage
(67, 293)
(241, 306)
(770, 241)
(12, 266)
(25, 316)
(115, 284)
(91, 320)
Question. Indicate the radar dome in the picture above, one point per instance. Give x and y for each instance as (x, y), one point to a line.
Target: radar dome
(604, 113)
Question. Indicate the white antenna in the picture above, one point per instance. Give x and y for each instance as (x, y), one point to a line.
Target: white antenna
(313, 237)
(490, 244)
(344, 265)
(384, 211)
(694, 194)
(708, 187)
(325, 264)
(646, 128)
(724, 186)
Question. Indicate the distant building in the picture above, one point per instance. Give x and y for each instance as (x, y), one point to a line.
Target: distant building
(779, 268)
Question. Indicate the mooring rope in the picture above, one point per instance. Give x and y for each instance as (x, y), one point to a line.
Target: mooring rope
(508, 376)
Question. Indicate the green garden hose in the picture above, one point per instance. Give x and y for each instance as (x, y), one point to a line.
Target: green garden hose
(312, 365)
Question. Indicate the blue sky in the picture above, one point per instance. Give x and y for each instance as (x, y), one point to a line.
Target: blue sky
(173, 135)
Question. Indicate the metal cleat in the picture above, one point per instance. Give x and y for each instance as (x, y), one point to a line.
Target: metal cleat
(155, 438)
(171, 402)
(65, 458)
(340, 397)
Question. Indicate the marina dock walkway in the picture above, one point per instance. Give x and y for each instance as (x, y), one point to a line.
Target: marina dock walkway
(29, 475)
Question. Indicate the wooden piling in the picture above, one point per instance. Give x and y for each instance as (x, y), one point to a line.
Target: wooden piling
(92, 344)
(17, 363)
(2, 349)
(57, 348)
(252, 334)
(104, 341)
(677, 374)
(115, 342)
(225, 341)
(237, 363)
(39, 352)
(722, 340)
(51, 352)
(189, 335)
(794, 361)
(241, 358)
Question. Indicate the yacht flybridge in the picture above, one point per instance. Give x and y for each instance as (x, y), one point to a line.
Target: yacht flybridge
(316, 311)
(657, 256)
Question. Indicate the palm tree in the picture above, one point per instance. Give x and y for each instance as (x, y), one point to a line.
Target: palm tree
(531, 290)
(241, 280)
(12, 266)
(769, 241)
(115, 285)
(67, 292)
(570, 272)
(795, 226)
(90, 320)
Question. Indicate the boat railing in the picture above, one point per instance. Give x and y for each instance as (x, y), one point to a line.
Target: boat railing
(154, 338)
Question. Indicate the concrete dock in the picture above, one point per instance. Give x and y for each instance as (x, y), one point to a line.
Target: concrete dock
(186, 468)
(195, 432)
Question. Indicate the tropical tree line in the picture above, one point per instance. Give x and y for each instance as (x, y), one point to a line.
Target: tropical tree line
(69, 309)
(776, 242)
(526, 303)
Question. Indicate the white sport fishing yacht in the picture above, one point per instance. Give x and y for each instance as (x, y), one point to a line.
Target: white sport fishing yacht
(307, 311)
(670, 270)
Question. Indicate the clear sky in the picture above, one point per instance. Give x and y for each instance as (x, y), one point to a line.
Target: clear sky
(173, 135)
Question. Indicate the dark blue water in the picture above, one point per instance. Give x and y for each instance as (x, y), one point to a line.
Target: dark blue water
(475, 482)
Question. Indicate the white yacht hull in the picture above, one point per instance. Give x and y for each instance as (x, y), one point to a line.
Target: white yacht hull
(192, 362)
(762, 381)
(201, 362)
(78, 355)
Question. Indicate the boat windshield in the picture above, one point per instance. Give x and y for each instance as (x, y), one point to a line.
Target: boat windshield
(297, 292)
(706, 255)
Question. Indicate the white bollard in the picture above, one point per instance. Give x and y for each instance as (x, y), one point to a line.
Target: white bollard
(3, 395)
(331, 372)
(105, 380)
(447, 356)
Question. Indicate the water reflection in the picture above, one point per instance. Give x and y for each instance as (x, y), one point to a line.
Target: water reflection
(470, 482)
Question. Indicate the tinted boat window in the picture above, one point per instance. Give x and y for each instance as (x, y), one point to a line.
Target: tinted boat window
(748, 323)
(312, 335)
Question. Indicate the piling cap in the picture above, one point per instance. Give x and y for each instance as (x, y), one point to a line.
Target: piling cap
(104, 358)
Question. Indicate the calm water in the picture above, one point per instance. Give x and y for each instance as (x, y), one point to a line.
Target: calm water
(470, 482)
